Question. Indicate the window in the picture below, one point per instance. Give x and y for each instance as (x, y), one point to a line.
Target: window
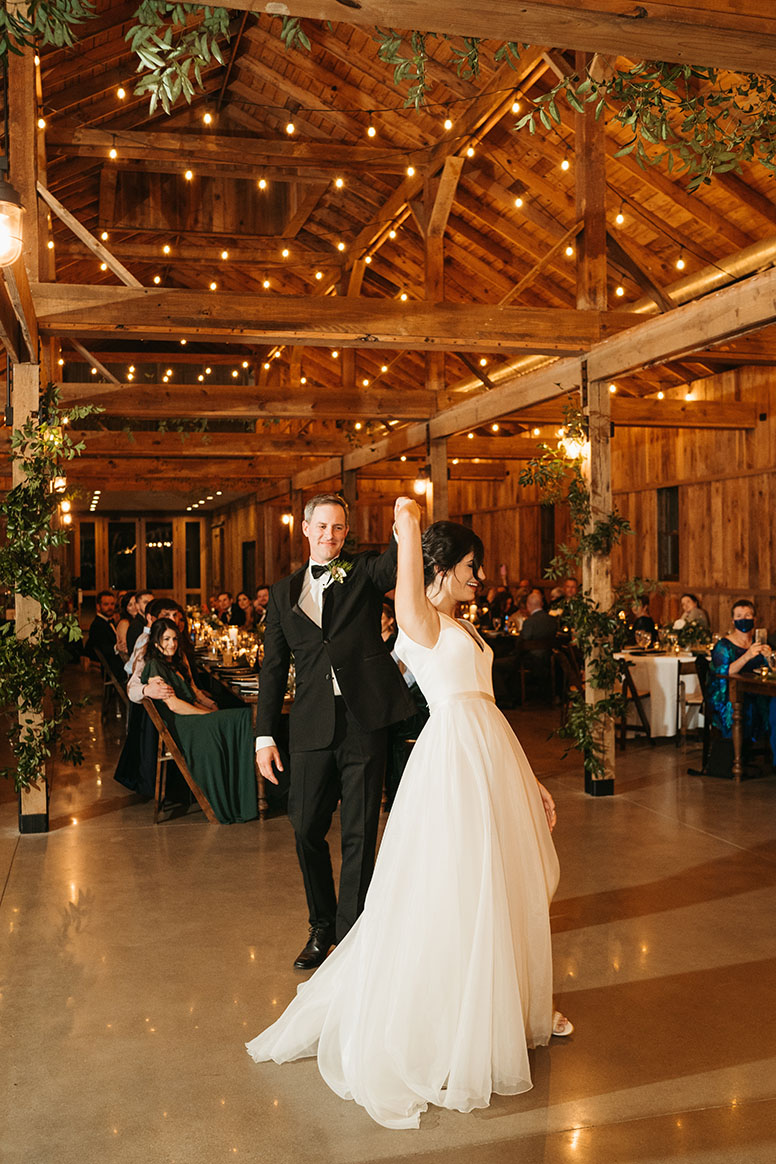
(249, 568)
(159, 555)
(193, 567)
(88, 564)
(546, 536)
(668, 534)
(122, 555)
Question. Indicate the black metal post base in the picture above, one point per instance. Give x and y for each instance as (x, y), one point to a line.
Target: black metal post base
(33, 822)
(599, 787)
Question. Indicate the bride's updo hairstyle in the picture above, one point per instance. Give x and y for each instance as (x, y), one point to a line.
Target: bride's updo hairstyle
(445, 543)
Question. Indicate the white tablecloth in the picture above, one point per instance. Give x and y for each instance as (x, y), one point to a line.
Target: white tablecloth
(658, 674)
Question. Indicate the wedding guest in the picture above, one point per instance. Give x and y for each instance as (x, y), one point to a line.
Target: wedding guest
(217, 745)
(126, 614)
(245, 605)
(641, 619)
(737, 653)
(540, 629)
(226, 613)
(142, 598)
(692, 611)
(570, 588)
(101, 635)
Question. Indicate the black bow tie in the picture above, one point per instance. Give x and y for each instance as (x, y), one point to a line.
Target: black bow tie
(318, 570)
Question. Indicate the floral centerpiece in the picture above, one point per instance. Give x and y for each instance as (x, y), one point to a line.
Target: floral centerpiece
(689, 633)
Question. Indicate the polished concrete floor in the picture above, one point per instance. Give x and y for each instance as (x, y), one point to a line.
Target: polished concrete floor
(136, 960)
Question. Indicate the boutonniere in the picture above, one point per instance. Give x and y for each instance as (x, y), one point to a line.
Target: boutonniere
(339, 569)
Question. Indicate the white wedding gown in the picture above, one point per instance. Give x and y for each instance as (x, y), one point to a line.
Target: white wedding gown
(445, 980)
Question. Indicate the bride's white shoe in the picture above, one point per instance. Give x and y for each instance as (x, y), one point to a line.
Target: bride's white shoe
(561, 1025)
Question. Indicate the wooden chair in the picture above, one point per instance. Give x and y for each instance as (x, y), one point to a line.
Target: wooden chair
(686, 700)
(632, 698)
(168, 750)
(537, 648)
(111, 688)
(571, 679)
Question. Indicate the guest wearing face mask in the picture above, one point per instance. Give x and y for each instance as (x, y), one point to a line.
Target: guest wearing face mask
(736, 654)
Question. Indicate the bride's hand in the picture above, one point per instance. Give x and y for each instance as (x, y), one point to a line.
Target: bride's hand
(549, 806)
(406, 505)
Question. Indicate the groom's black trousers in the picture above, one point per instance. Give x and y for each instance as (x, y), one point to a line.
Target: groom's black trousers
(351, 769)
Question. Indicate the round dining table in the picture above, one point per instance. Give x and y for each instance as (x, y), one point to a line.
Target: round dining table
(658, 673)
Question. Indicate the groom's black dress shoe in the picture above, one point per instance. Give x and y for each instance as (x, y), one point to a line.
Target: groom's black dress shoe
(314, 953)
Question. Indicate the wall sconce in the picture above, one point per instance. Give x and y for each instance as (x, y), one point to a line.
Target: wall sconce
(65, 506)
(420, 485)
(287, 518)
(59, 485)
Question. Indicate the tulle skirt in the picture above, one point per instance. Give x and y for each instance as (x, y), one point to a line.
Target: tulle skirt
(445, 980)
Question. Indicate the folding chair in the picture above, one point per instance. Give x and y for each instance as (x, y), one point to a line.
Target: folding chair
(168, 750)
(572, 680)
(685, 700)
(111, 688)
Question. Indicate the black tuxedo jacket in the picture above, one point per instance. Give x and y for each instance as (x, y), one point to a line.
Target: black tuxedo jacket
(348, 643)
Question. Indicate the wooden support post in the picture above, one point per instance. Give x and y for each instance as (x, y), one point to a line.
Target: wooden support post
(298, 545)
(33, 801)
(270, 520)
(590, 176)
(22, 152)
(437, 499)
(596, 571)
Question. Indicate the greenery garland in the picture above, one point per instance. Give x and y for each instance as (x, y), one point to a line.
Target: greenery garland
(599, 633)
(31, 666)
(170, 51)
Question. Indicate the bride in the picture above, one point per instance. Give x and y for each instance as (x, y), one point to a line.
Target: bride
(445, 981)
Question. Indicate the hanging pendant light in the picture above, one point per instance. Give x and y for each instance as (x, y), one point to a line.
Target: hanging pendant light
(11, 211)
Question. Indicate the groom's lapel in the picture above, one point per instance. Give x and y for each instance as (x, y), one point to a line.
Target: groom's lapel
(295, 590)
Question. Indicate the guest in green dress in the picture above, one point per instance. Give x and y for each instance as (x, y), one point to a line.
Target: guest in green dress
(218, 745)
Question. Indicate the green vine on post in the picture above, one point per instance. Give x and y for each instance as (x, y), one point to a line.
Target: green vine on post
(32, 656)
(598, 633)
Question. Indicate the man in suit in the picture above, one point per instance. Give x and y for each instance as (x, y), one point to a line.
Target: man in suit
(102, 634)
(137, 626)
(348, 690)
(227, 613)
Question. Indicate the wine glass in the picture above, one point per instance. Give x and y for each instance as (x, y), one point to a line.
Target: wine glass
(643, 639)
(496, 624)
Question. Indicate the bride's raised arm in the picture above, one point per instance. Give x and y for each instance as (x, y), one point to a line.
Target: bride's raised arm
(414, 613)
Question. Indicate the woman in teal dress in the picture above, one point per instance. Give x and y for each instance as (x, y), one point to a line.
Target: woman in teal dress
(735, 654)
(218, 745)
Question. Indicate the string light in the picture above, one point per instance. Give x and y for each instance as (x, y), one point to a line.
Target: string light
(121, 92)
(334, 355)
(661, 395)
(565, 164)
(680, 263)
(200, 377)
(290, 128)
(470, 152)
(339, 183)
(518, 202)
(370, 129)
(569, 251)
(41, 123)
(368, 259)
(207, 118)
(620, 217)
(448, 122)
(208, 371)
(130, 376)
(266, 367)
(391, 234)
(483, 362)
(224, 255)
(50, 244)
(262, 183)
(340, 246)
(612, 388)
(265, 284)
(619, 290)
(166, 249)
(319, 274)
(104, 267)
(235, 373)
(245, 363)
(165, 379)
(515, 106)
(189, 175)
(157, 278)
(131, 367)
(285, 252)
(403, 296)
(104, 236)
(213, 286)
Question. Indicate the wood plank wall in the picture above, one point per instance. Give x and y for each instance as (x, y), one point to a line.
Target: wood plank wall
(727, 504)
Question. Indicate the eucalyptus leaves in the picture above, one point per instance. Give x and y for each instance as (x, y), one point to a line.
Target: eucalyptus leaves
(172, 51)
(32, 656)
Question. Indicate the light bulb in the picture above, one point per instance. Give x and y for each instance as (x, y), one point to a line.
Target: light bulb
(319, 274)
(208, 371)
(121, 92)
(189, 175)
(537, 432)
(166, 249)
(470, 436)
(262, 183)
(565, 164)
(410, 171)
(339, 183)
(612, 388)
(470, 152)
(49, 244)
(680, 264)
(448, 123)
(494, 428)
(157, 278)
(290, 127)
(368, 259)
(518, 202)
(371, 131)
(104, 267)
(334, 354)
(131, 367)
(403, 296)
(94, 371)
(41, 123)
(661, 395)
(391, 234)
(183, 343)
(61, 362)
(302, 379)
(235, 373)
(384, 368)
(285, 252)
(266, 367)
(265, 284)
(483, 362)
(213, 286)
(113, 153)
(515, 106)
(340, 246)
(207, 118)
(200, 377)
(688, 395)
(224, 255)
(104, 236)
(619, 290)
(365, 382)
(245, 363)
(619, 218)
(358, 426)
(569, 251)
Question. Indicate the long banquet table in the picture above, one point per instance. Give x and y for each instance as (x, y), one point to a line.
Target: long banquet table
(658, 673)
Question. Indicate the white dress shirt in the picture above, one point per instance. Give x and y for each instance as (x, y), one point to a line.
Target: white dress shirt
(311, 602)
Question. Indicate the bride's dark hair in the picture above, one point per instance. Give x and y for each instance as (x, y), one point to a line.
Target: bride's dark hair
(445, 543)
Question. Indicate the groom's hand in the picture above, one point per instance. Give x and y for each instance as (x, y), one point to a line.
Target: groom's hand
(268, 759)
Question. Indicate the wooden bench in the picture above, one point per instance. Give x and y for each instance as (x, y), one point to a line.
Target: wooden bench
(168, 750)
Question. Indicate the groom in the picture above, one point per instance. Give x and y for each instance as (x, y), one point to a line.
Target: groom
(348, 690)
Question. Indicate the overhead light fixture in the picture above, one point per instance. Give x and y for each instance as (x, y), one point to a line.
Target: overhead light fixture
(10, 224)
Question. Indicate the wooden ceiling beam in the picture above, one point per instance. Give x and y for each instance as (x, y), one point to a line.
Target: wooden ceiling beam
(265, 253)
(178, 446)
(190, 401)
(151, 313)
(741, 37)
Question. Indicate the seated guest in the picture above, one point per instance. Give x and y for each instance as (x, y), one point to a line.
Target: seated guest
(539, 628)
(101, 635)
(126, 614)
(570, 588)
(260, 603)
(245, 605)
(538, 623)
(142, 598)
(691, 610)
(736, 654)
(520, 613)
(226, 613)
(218, 745)
(641, 620)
